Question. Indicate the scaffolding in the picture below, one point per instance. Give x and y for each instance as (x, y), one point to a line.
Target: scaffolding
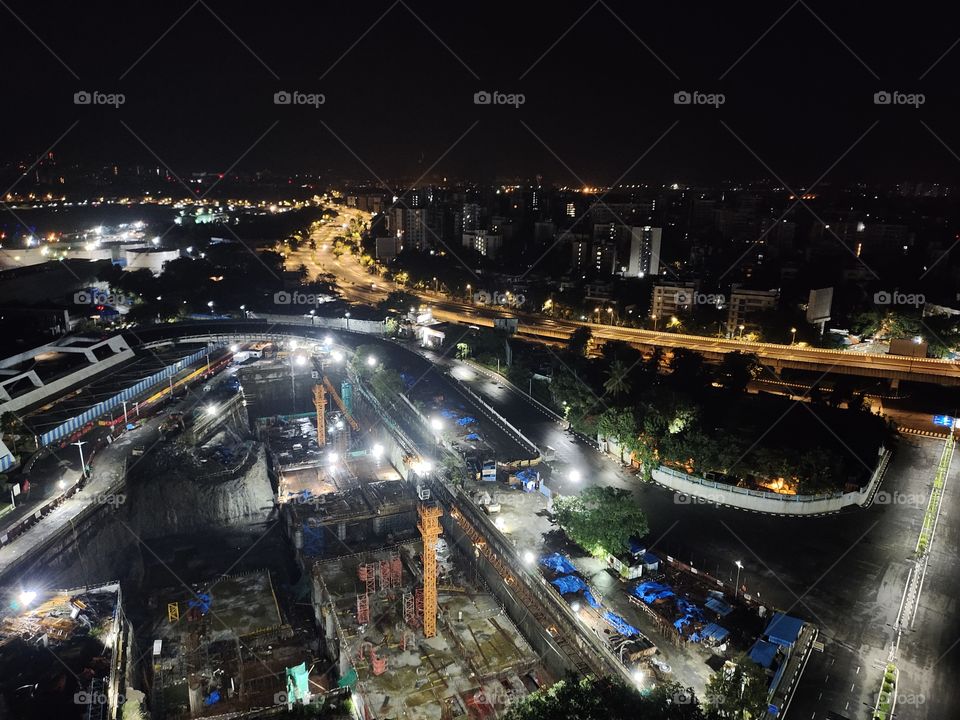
(396, 569)
(429, 527)
(319, 403)
(410, 610)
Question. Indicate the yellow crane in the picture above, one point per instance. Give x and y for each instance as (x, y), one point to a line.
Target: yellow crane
(320, 402)
(429, 526)
(343, 408)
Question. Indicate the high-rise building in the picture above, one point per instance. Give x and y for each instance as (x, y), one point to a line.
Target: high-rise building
(644, 258)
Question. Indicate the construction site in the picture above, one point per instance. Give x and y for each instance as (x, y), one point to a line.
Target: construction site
(407, 625)
(414, 635)
(65, 654)
(227, 646)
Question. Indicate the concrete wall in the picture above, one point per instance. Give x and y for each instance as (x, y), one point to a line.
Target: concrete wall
(691, 489)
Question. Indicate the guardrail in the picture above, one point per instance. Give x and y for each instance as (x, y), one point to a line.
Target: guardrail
(764, 500)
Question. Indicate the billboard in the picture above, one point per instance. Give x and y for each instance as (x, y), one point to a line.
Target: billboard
(819, 305)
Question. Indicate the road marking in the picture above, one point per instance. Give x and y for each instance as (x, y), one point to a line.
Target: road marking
(858, 669)
(852, 686)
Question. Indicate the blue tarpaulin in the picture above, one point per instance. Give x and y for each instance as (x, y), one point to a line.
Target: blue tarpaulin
(710, 632)
(558, 563)
(783, 629)
(448, 414)
(213, 698)
(651, 591)
(202, 602)
(591, 600)
(763, 653)
(620, 625)
(569, 584)
(719, 606)
(472, 436)
(467, 420)
(690, 613)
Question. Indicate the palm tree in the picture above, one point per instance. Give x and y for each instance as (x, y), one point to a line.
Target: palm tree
(617, 382)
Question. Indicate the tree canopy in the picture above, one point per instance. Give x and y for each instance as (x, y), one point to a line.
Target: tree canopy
(601, 519)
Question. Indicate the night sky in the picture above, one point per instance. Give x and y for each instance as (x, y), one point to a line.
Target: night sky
(399, 82)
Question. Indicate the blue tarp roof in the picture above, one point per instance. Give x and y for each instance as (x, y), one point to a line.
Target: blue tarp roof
(558, 563)
(569, 584)
(763, 653)
(719, 606)
(650, 591)
(591, 600)
(527, 475)
(636, 545)
(784, 629)
(650, 559)
(710, 632)
(466, 420)
(620, 625)
(472, 436)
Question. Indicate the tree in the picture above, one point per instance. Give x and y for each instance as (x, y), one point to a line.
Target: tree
(601, 519)
(737, 369)
(399, 300)
(621, 425)
(686, 369)
(605, 699)
(579, 341)
(738, 690)
(617, 383)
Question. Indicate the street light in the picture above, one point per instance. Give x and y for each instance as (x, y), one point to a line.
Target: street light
(377, 450)
(793, 335)
(654, 318)
(436, 423)
(26, 597)
(740, 328)
(211, 410)
(528, 557)
(575, 476)
(371, 361)
(736, 586)
(638, 677)
(300, 360)
(83, 468)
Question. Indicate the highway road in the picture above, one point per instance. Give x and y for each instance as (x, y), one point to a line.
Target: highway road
(359, 285)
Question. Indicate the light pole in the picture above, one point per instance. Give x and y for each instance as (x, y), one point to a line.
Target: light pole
(83, 468)
(347, 316)
(654, 318)
(793, 336)
(740, 328)
(736, 586)
(125, 421)
(469, 296)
